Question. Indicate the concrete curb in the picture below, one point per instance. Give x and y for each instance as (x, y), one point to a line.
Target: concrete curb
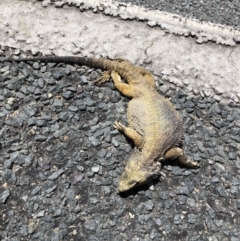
(210, 68)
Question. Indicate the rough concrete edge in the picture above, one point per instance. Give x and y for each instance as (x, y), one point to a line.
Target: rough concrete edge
(226, 98)
(170, 23)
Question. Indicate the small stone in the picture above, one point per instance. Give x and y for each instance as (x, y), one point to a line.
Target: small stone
(221, 191)
(56, 174)
(90, 225)
(95, 169)
(189, 104)
(8, 163)
(115, 142)
(83, 79)
(149, 205)
(81, 104)
(232, 155)
(67, 95)
(80, 168)
(219, 168)
(192, 218)
(39, 214)
(89, 102)
(177, 219)
(58, 213)
(40, 138)
(183, 191)
(238, 203)
(182, 199)
(41, 82)
(55, 127)
(90, 174)
(237, 163)
(36, 190)
(33, 225)
(94, 141)
(73, 108)
(93, 200)
(159, 222)
(40, 123)
(191, 202)
(176, 170)
(107, 190)
(94, 75)
(47, 218)
(4, 196)
(78, 177)
(51, 189)
(57, 103)
(63, 116)
(57, 73)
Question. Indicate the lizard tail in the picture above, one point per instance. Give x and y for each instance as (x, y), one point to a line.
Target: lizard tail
(124, 69)
(101, 63)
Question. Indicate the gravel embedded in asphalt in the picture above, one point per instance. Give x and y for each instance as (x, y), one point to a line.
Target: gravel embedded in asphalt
(61, 160)
(224, 12)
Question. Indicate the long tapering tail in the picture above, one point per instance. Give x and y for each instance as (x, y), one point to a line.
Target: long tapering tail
(91, 62)
(123, 68)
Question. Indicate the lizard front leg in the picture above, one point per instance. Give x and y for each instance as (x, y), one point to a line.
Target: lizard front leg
(130, 133)
(125, 89)
(178, 152)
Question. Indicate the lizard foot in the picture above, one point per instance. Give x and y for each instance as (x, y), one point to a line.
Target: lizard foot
(188, 163)
(192, 164)
(119, 126)
(106, 76)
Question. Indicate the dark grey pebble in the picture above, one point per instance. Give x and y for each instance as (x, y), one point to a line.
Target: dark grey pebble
(4, 196)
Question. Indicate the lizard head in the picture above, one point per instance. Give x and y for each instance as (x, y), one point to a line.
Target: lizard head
(137, 172)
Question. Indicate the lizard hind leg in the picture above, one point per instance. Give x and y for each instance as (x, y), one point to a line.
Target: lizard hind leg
(130, 133)
(178, 152)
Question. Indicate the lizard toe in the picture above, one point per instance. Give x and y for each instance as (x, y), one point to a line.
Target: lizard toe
(197, 164)
(118, 126)
(115, 125)
(194, 164)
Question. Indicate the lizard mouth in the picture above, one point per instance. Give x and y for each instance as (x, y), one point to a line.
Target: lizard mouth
(123, 188)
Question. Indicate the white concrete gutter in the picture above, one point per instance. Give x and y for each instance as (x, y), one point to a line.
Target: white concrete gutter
(164, 43)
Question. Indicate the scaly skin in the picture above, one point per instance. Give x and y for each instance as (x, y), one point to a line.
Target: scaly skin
(154, 125)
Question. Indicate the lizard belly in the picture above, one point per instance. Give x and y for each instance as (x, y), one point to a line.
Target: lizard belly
(137, 115)
(157, 121)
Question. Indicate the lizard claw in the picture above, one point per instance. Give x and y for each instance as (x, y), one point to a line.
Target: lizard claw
(117, 125)
(106, 76)
(162, 174)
